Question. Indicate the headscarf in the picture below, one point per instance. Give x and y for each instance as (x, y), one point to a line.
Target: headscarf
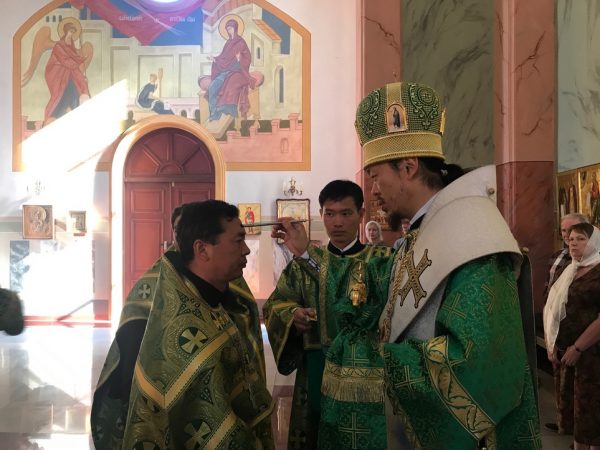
(555, 310)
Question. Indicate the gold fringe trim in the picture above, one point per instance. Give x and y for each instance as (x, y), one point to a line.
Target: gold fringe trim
(353, 384)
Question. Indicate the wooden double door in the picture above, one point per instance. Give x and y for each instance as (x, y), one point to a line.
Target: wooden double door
(164, 169)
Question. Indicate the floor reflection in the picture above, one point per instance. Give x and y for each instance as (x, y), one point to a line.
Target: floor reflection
(48, 374)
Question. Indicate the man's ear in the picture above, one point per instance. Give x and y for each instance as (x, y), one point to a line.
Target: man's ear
(361, 213)
(321, 211)
(201, 250)
(411, 166)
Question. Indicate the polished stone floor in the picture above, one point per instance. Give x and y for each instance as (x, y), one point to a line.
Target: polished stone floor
(47, 376)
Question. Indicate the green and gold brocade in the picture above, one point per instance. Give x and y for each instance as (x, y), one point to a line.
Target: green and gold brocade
(437, 387)
(352, 408)
(199, 379)
(299, 287)
(109, 412)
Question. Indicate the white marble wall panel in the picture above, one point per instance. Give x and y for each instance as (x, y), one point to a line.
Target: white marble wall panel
(578, 24)
(449, 46)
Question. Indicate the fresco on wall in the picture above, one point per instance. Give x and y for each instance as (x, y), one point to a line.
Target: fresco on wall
(240, 68)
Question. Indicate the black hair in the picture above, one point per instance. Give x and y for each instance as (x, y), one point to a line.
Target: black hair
(337, 190)
(202, 221)
(175, 214)
(434, 172)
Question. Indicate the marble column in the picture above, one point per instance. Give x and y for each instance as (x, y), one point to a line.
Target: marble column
(524, 126)
(578, 135)
(449, 46)
(381, 53)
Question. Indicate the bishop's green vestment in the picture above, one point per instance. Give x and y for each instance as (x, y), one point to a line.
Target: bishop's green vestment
(300, 287)
(199, 380)
(455, 369)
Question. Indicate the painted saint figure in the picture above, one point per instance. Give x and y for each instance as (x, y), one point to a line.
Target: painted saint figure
(249, 216)
(572, 200)
(396, 115)
(65, 76)
(65, 70)
(230, 76)
(594, 200)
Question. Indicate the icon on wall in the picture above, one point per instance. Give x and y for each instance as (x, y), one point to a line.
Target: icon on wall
(38, 222)
(299, 209)
(588, 194)
(77, 223)
(249, 214)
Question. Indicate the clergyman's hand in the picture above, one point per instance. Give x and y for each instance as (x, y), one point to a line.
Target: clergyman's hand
(293, 235)
(303, 319)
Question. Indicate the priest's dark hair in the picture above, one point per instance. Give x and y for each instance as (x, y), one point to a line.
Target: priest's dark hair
(176, 213)
(337, 190)
(434, 172)
(202, 221)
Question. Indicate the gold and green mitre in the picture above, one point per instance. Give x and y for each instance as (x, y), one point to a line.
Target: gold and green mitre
(400, 120)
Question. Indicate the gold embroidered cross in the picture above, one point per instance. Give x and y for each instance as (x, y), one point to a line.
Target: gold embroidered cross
(407, 382)
(191, 339)
(354, 431)
(533, 437)
(452, 306)
(353, 360)
(144, 291)
(491, 294)
(197, 436)
(413, 281)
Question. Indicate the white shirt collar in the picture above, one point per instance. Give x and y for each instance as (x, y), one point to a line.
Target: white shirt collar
(423, 209)
(347, 247)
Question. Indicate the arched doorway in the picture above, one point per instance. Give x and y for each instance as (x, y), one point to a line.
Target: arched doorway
(164, 169)
(186, 134)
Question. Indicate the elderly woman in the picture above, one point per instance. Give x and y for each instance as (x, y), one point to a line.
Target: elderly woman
(572, 330)
(373, 233)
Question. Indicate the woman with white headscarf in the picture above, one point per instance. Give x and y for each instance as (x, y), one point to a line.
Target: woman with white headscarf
(572, 330)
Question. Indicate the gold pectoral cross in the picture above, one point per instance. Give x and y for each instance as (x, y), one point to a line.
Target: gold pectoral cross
(358, 292)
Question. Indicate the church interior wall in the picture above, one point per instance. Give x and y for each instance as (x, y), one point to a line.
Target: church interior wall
(333, 99)
(458, 65)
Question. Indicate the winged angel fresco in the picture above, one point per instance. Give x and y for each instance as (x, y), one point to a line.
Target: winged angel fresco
(65, 70)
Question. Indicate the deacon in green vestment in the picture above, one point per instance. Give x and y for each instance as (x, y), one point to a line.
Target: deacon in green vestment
(456, 372)
(301, 323)
(199, 380)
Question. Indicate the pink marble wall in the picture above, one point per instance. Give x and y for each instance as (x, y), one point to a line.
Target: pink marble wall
(381, 54)
(524, 126)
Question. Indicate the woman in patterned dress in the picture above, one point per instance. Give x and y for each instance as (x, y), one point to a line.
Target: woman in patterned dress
(572, 330)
